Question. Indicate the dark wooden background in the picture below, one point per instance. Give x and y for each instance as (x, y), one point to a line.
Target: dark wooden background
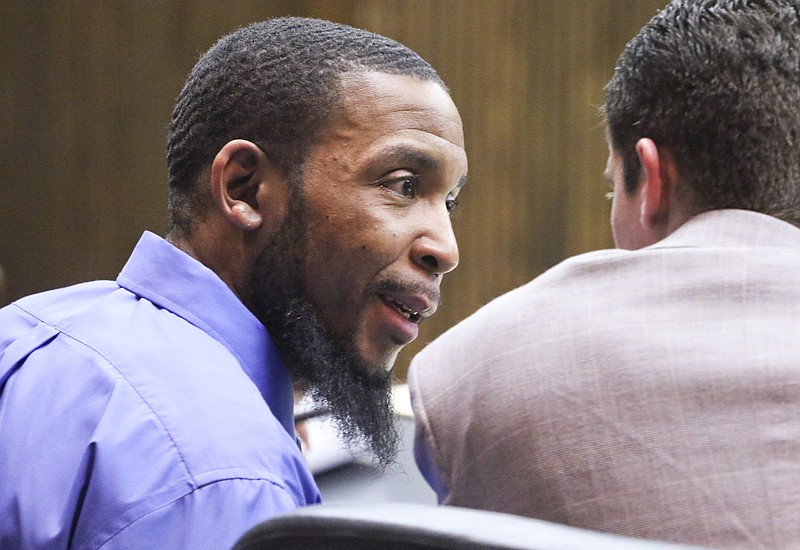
(88, 86)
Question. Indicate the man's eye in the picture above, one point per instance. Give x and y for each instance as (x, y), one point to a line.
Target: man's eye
(405, 186)
(451, 203)
(409, 187)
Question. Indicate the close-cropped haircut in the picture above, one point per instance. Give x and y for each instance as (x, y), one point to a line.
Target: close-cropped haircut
(275, 83)
(718, 83)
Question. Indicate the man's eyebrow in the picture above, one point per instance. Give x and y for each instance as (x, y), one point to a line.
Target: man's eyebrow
(419, 159)
(406, 154)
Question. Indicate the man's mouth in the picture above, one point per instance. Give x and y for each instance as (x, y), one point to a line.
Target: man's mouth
(404, 310)
(414, 302)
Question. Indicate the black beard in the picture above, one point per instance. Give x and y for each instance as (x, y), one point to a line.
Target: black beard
(357, 395)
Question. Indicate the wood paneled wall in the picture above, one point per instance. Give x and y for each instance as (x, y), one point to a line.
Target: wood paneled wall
(88, 87)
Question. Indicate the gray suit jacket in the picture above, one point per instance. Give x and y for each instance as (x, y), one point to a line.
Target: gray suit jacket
(651, 393)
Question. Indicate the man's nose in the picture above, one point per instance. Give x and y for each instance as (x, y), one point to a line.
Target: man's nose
(436, 248)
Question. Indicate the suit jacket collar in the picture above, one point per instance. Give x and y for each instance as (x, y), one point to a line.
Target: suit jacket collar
(730, 227)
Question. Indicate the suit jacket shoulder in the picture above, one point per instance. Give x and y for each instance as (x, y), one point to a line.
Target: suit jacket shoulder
(652, 393)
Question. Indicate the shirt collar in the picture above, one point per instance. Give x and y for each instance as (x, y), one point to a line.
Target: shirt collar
(733, 227)
(173, 280)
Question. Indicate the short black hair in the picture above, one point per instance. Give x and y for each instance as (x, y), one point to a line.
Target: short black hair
(275, 83)
(718, 83)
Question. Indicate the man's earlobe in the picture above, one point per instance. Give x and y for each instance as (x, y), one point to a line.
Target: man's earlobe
(244, 216)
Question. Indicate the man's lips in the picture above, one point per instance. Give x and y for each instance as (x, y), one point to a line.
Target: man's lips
(414, 304)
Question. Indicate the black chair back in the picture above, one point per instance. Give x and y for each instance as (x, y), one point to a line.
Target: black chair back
(394, 526)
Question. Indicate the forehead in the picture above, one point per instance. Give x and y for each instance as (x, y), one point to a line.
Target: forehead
(389, 112)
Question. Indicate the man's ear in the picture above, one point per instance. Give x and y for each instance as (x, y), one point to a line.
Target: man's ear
(237, 173)
(658, 184)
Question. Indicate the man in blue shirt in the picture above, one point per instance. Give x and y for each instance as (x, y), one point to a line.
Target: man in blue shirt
(313, 168)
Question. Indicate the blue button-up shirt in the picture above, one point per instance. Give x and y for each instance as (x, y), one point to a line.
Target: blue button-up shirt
(150, 412)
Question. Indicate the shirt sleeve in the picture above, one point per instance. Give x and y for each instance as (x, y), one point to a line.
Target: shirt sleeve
(214, 517)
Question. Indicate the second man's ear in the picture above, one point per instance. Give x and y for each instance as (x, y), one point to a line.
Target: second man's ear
(657, 183)
(237, 172)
